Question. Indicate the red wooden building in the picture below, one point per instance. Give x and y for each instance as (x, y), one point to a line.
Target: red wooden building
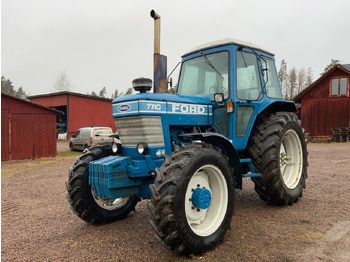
(79, 110)
(325, 104)
(27, 130)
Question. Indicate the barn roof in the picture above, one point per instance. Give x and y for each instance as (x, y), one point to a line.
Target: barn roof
(344, 67)
(70, 93)
(57, 112)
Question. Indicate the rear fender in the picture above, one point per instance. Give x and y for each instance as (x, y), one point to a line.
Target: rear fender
(227, 148)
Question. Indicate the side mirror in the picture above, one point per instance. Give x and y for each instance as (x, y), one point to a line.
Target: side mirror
(74, 136)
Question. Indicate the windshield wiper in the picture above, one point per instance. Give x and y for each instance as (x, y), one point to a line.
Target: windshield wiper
(210, 64)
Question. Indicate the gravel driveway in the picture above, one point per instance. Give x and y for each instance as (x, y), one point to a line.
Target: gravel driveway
(38, 225)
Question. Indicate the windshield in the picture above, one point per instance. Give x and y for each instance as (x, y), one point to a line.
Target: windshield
(205, 76)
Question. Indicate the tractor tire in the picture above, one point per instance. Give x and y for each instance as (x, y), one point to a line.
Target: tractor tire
(181, 224)
(84, 203)
(278, 151)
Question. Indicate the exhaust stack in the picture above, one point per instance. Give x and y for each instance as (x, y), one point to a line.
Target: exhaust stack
(159, 61)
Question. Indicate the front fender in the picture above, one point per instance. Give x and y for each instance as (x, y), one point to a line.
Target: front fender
(227, 148)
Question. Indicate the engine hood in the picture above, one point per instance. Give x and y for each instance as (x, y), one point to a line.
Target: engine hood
(164, 97)
(176, 109)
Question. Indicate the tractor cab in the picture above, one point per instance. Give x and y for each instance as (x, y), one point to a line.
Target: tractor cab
(239, 78)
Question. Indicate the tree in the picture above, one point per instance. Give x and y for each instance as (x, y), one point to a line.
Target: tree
(62, 82)
(292, 82)
(8, 88)
(301, 80)
(103, 92)
(21, 94)
(309, 77)
(282, 73)
(116, 94)
(93, 93)
(333, 63)
(129, 91)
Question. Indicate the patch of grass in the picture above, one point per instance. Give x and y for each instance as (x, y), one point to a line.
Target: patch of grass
(66, 153)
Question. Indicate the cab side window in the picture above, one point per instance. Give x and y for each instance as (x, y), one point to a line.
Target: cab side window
(248, 77)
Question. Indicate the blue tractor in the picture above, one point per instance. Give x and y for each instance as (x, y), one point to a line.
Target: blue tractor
(188, 151)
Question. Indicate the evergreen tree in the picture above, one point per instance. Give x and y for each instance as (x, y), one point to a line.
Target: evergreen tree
(129, 91)
(333, 63)
(21, 94)
(103, 92)
(7, 87)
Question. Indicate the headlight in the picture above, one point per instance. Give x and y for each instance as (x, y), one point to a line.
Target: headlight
(114, 148)
(142, 148)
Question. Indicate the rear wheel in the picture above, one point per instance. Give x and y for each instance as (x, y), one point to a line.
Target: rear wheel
(278, 151)
(192, 199)
(84, 202)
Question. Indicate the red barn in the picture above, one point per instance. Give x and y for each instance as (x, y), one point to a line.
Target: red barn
(325, 104)
(79, 110)
(27, 130)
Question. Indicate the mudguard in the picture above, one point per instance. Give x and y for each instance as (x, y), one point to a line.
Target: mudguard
(227, 148)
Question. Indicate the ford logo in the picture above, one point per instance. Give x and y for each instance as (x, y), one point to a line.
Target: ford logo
(124, 108)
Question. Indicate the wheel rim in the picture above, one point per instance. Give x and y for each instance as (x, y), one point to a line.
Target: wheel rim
(291, 159)
(110, 204)
(205, 221)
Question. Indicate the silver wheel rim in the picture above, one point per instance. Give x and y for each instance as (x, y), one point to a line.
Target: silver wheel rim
(205, 222)
(110, 204)
(291, 159)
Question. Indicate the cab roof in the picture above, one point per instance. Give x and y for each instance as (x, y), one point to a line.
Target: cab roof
(226, 41)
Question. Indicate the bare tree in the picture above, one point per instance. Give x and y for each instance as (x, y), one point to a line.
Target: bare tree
(292, 82)
(62, 82)
(283, 77)
(301, 80)
(309, 77)
(282, 73)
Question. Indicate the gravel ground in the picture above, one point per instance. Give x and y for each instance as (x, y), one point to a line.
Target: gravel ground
(38, 225)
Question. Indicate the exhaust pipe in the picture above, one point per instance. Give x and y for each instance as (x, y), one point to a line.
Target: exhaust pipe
(159, 61)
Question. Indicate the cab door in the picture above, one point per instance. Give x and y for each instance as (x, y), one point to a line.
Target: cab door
(249, 93)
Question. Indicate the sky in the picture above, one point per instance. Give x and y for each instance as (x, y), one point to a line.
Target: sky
(108, 43)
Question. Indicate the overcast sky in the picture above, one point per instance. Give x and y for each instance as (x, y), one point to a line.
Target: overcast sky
(108, 43)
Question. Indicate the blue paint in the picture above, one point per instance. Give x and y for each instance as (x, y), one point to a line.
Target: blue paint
(131, 173)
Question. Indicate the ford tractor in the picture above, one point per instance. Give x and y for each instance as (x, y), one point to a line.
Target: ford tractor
(187, 152)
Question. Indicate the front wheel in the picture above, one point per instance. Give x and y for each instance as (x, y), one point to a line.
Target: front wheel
(192, 199)
(278, 150)
(83, 201)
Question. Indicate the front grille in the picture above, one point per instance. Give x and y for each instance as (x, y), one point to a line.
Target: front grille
(136, 129)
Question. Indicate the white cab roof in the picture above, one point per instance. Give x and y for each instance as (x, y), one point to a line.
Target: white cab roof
(227, 41)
